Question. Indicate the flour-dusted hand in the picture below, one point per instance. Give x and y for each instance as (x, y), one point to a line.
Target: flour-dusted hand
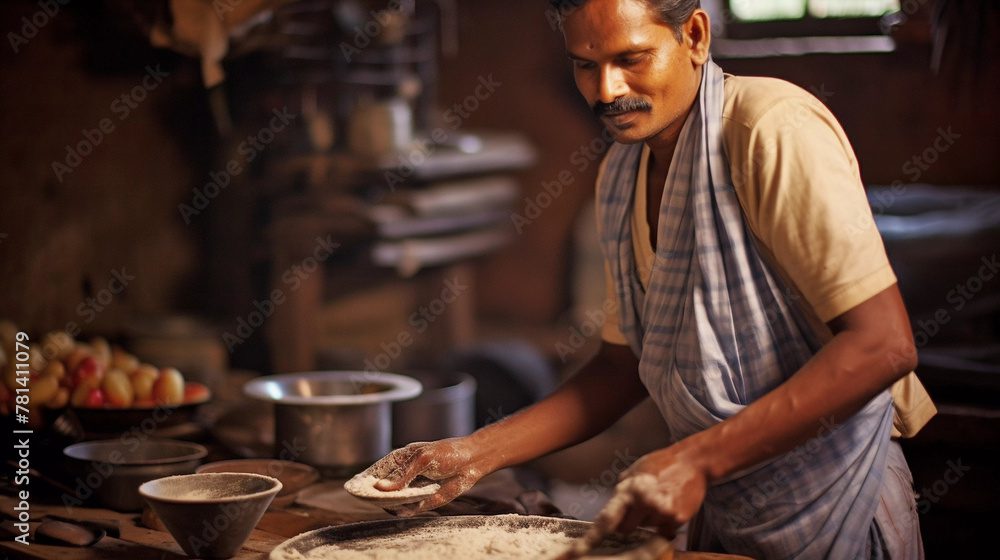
(450, 462)
(610, 520)
(662, 490)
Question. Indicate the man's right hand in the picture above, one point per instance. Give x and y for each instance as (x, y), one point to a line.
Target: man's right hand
(598, 395)
(450, 462)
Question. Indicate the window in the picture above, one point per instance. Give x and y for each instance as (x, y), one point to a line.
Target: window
(767, 28)
(770, 10)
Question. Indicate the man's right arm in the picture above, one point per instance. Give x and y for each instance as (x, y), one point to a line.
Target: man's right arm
(605, 389)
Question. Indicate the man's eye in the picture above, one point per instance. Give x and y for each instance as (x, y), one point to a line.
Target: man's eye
(583, 64)
(630, 61)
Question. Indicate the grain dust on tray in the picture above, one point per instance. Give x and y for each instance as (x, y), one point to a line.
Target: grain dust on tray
(495, 539)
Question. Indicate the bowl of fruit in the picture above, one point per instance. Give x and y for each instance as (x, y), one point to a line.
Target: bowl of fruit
(100, 389)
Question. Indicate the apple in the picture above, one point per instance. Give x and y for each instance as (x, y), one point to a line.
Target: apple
(36, 360)
(118, 389)
(75, 356)
(10, 376)
(79, 395)
(95, 399)
(142, 379)
(60, 399)
(169, 387)
(88, 373)
(57, 345)
(43, 389)
(55, 369)
(101, 350)
(124, 361)
(195, 392)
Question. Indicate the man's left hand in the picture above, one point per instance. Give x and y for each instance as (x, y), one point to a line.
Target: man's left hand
(663, 490)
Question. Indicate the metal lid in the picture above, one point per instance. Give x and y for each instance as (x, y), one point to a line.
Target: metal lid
(333, 388)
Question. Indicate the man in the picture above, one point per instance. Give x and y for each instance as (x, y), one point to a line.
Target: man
(763, 321)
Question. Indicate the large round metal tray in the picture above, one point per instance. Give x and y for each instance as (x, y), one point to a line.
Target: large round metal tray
(360, 536)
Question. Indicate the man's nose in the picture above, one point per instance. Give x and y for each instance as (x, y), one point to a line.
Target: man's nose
(612, 84)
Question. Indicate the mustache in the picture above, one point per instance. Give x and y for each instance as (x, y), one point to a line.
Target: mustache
(622, 105)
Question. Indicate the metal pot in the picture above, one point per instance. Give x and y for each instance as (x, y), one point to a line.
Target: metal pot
(336, 421)
(446, 408)
(112, 470)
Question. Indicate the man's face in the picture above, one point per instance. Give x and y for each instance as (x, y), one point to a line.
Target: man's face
(630, 68)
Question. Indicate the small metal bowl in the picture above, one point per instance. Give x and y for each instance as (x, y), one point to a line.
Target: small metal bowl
(111, 470)
(337, 421)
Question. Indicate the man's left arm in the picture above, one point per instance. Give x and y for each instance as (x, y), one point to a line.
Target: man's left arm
(872, 348)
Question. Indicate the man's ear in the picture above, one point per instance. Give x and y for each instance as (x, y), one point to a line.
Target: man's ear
(698, 36)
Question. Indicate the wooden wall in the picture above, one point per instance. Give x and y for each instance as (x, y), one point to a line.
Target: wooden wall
(71, 230)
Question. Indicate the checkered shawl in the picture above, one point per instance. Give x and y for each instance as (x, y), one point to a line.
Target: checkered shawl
(716, 330)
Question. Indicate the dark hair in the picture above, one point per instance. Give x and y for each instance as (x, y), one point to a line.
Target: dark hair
(671, 12)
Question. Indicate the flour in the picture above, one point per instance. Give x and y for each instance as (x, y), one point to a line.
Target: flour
(208, 493)
(467, 543)
(210, 486)
(363, 486)
(502, 537)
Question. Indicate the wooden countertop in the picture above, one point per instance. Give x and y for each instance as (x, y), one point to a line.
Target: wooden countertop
(137, 542)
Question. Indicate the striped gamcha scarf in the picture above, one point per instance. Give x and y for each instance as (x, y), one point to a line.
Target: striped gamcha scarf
(715, 331)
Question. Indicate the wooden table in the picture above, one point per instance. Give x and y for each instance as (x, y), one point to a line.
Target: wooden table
(136, 542)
